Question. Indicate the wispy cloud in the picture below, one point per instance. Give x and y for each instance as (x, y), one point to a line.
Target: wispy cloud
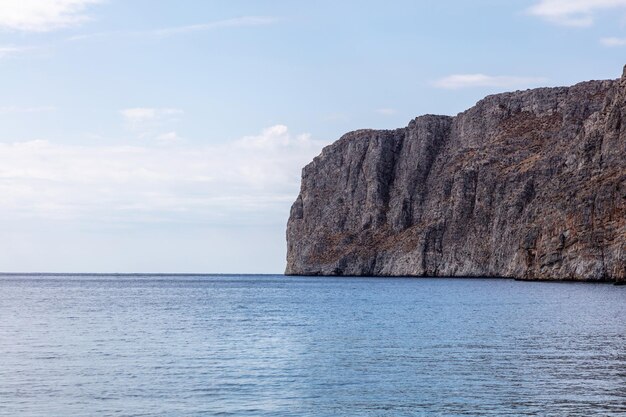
(386, 111)
(97, 35)
(458, 81)
(251, 176)
(168, 138)
(20, 109)
(578, 13)
(9, 50)
(613, 42)
(149, 122)
(244, 21)
(146, 114)
(43, 15)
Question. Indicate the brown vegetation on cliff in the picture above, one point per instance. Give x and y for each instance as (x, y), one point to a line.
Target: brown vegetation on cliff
(529, 184)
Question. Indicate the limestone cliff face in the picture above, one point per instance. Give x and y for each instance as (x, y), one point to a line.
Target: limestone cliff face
(530, 185)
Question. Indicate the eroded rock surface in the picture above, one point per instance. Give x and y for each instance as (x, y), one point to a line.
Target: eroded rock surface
(529, 184)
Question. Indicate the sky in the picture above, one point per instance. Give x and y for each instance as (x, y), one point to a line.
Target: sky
(169, 135)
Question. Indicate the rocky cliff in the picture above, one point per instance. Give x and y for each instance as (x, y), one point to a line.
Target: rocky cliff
(529, 184)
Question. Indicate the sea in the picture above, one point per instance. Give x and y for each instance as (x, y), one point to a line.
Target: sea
(272, 345)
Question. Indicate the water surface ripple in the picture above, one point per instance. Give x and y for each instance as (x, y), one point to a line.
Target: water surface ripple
(157, 345)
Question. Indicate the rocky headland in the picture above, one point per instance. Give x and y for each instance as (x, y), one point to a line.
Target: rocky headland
(528, 185)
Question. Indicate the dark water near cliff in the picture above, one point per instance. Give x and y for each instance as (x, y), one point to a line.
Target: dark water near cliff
(273, 346)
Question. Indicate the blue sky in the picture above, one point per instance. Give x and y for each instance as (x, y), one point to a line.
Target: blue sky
(168, 136)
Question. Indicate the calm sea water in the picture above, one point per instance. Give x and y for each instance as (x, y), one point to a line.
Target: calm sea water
(280, 346)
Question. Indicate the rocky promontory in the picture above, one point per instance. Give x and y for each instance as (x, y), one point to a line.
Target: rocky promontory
(529, 185)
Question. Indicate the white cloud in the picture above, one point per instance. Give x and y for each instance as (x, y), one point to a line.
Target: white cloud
(386, 111)
(18, 109)
(613, 42)
(458, 81)
(244, 21)
(145, 114)
(219, 24)
(150, 122)
(579, 13)
(42, 15)
(10, 50)
(252, 177)
(168, 138)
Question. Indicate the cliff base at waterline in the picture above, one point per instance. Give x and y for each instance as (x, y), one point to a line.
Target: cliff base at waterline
(527, 185)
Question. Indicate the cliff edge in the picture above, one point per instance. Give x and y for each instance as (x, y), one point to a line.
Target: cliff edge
(527, 185)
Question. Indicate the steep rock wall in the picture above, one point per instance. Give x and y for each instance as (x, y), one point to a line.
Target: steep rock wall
(529, 184)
